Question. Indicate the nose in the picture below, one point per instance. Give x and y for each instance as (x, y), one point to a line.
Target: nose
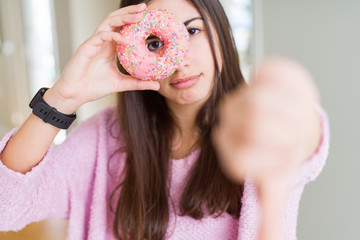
(184, 64)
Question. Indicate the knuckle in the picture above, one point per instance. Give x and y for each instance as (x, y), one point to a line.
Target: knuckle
(129, 18)
(99, 34)
(104, 35)
(138, 85)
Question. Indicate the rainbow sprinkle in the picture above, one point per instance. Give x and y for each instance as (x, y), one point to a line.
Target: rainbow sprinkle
(141, 63)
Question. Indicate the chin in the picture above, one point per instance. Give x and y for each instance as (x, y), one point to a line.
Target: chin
(192, 97)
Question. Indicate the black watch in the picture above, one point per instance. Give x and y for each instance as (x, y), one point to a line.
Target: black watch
(49, 114)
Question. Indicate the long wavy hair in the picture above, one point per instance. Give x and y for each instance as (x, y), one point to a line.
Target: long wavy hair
(147, 128)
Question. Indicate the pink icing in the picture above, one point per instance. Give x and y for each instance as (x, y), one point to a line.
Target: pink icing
(143, 64)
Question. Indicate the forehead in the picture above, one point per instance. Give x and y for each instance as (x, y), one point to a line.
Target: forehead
(183, 9)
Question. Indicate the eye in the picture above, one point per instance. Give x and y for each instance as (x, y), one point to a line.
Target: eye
(193, 31)
(154, 44)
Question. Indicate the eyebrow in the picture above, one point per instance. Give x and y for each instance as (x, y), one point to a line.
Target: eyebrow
(192, 19)
(187, 22)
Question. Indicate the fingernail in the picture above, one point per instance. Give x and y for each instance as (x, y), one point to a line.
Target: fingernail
(140, 14)
(157, 87)
(142, 5)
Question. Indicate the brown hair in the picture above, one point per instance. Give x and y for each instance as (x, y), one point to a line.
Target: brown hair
(147, 126)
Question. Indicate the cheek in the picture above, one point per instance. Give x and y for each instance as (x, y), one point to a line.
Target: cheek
(202, 50)
(201, 53)
(202, 59)
(163, 86)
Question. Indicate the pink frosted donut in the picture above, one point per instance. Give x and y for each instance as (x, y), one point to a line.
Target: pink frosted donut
(141, 62)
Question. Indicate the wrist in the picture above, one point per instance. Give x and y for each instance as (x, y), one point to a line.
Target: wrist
(62, 104)
(275, 191)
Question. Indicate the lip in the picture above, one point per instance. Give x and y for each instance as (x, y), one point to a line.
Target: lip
(183, 83)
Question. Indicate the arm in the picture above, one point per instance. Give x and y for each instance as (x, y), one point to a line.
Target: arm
(27, 147)
(33, 178)
(44, 191)
(267, 132)
(29, 144)
(272, 201)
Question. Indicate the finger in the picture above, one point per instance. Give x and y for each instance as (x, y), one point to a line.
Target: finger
(103, 42)
(113, 23)
(102, 37)
(129, 83)
(129, 10)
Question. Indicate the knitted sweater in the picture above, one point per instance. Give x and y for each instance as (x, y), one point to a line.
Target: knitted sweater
(75, 179)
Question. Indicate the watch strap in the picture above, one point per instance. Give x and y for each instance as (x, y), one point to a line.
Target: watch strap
(49, 114)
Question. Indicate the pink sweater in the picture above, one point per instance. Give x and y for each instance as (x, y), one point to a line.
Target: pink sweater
(72, 182)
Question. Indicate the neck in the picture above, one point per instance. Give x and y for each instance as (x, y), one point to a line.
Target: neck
(186, 135)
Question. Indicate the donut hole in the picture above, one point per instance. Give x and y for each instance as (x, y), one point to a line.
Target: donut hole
(159, 43)
(154, 44)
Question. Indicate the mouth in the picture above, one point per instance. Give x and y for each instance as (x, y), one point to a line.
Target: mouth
(187, 82)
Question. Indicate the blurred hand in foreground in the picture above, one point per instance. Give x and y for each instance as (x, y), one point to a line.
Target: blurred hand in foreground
(266, 131)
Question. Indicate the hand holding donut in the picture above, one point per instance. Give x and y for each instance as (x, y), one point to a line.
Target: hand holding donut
(92, 72)
(269, 128)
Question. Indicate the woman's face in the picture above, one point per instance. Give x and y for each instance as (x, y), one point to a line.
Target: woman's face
(193, 81)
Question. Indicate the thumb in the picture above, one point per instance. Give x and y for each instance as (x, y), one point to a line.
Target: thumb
(129, 83)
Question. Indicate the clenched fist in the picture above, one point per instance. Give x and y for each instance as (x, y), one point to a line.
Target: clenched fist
(269, 128)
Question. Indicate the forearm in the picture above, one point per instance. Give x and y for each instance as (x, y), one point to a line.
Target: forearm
(32, 140)
(271, 225)
(272, 200)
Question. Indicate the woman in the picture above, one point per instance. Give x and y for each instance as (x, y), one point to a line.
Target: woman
(149, 169)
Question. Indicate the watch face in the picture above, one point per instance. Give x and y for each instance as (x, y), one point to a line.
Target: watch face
(33, 101)
(38, 96)
(43, 90)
